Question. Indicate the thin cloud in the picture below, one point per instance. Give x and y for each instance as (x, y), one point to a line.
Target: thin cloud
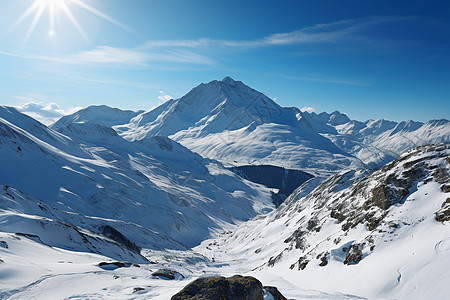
(163, 97)
(308, 109)
(122, 57)
(330, 80)
(174, 53)
(334, 32)
(46, 113)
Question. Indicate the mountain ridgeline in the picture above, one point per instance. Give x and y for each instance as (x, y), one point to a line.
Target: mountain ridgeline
(232, 123)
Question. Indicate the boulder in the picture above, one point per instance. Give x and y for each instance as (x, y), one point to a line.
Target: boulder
(167, 274)
(215, 288)
(274, 292)
(112, 265)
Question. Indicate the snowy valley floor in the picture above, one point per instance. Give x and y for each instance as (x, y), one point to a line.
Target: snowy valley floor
(36, 271)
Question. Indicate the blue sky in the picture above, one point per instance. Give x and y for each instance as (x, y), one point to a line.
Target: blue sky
(369, 59)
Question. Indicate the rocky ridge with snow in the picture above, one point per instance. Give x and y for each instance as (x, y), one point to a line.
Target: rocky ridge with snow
(375, 235)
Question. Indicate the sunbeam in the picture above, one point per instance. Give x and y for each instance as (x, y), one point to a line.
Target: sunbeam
(38, 7)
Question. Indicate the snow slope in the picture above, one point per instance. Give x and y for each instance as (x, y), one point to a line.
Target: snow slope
(383, 235)
(154, 191)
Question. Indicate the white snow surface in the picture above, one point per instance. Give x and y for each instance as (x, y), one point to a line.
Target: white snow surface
(156, 191)
(235, 124)
(158, 179)
(403, 257)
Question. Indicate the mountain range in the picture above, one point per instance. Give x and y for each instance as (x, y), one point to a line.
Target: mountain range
(237, 125)
(102, 198)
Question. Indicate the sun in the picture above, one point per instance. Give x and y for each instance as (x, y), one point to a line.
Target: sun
(54, 7)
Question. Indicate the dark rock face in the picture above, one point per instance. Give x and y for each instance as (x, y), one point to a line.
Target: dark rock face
(168, 274)
(138, 289)
(443, 214)
(285, 180)
(354, 255)
(221, 288)
(113, 265)
(298, 238)
(4, 244)
(115, 235)
(274, 292)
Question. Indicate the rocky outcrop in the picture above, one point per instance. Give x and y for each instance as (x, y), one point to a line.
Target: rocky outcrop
(354, 255)
(443, 214)
(276, 295)
(112, 265)
(118, 237)
(367, 202)
(167, 274)
(232, 288)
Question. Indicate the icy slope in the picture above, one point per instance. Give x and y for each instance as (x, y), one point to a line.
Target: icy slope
(385, 235)
(158, 193)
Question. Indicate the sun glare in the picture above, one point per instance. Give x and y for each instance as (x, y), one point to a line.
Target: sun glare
(54, 7)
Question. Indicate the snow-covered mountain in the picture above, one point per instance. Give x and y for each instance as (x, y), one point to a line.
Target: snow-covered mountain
(150, 191)
(154, 191)
(237, 125)
(383, 235)
(100, 114)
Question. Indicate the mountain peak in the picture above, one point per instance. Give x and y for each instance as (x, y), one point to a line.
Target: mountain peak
(101, 114)
(228, 80)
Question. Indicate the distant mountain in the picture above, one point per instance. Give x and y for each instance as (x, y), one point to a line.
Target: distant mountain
(237, 125)
(379, 235)
(101, 114)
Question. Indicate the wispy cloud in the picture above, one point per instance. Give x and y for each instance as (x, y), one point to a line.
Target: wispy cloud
(163, 97)
(330, 80)
(192, 51)
(121, 57)
(335, 32)
(308, 109)
(47, 113)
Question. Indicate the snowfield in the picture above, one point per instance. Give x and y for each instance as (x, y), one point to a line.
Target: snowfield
(92, 206)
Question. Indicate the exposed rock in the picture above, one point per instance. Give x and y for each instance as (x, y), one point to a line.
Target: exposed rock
(138, 289)
(443, 214)
(441, 175)
(4, 244)
(33, 237)
(274, 260)
(354, 255)
(298, 238)
(113, 265)
(164, 143)
(118, 237)
(302, 263)
(323, 259)
(166, 273)
(274, 292)
(221, 288)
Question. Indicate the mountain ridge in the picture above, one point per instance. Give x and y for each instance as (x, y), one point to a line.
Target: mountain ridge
(224, 120)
